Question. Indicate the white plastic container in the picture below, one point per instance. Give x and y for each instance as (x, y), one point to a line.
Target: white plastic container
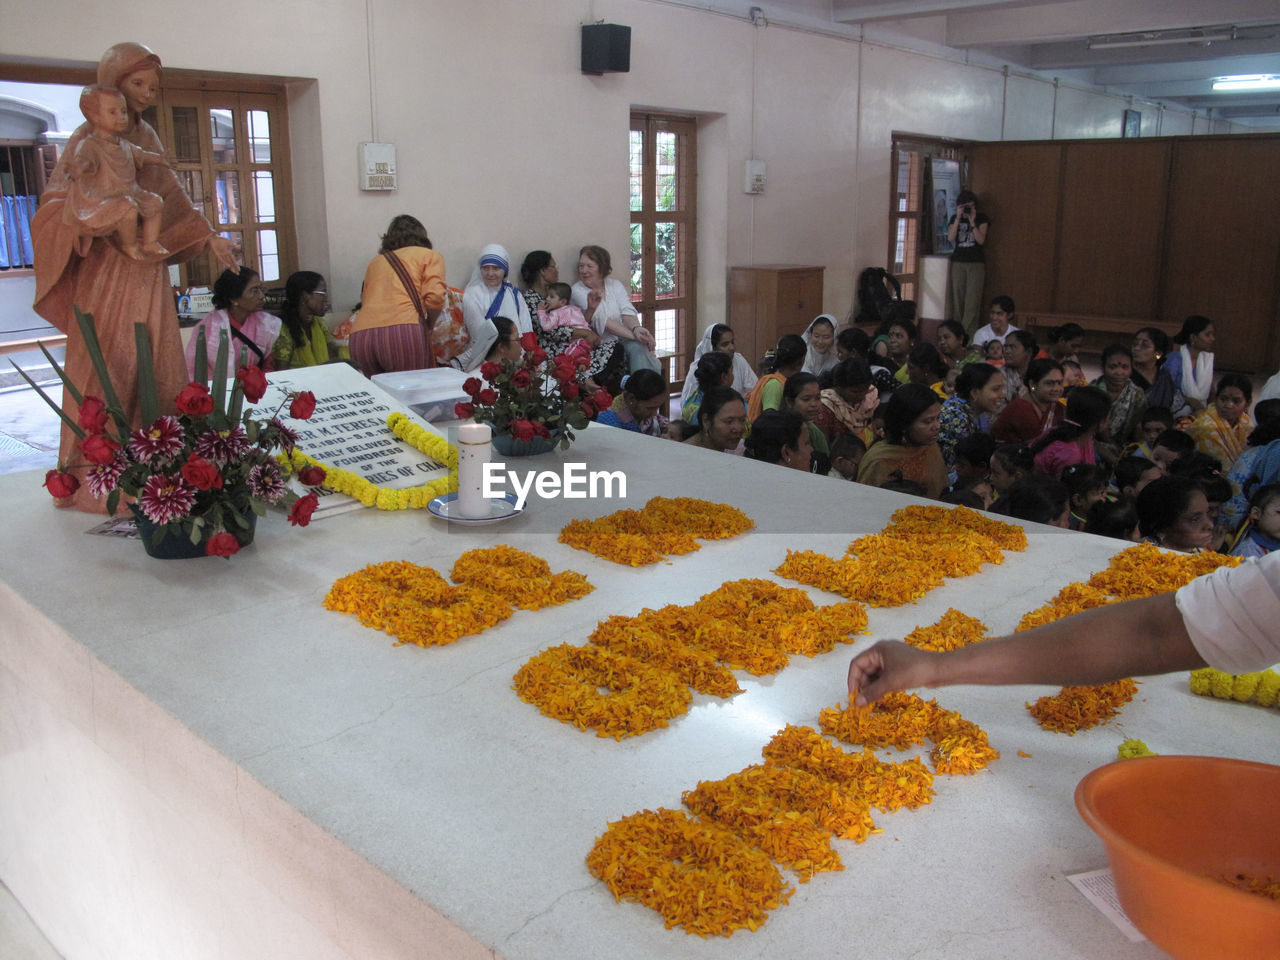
(431, 394)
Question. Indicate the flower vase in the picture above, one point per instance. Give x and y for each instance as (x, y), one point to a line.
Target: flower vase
(509, 446)
(178, 546)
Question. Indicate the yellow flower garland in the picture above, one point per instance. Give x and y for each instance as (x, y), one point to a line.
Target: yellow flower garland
(384, 498)
(1262, 687)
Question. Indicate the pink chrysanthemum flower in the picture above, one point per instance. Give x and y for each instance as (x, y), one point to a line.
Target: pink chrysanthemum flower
(162, 440)
(223, 446)
(288, 436)
(266, 482)
(101, 480)
(166, 497)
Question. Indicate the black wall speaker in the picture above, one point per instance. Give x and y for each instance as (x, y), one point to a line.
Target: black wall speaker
(606, 48)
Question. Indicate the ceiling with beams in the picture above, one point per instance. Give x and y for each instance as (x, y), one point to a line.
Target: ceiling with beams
(1159, 50)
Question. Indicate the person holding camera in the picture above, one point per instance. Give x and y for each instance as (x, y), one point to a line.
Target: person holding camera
(967, 231)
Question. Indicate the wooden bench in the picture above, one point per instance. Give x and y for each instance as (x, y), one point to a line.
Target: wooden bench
(1099, 331)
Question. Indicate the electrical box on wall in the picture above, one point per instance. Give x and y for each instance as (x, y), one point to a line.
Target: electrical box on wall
(755, 177)
(377, 166)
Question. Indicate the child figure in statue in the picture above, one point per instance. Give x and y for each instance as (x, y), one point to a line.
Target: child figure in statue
(104, 196)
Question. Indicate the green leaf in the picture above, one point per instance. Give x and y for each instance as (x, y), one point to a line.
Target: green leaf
(149, 408)
(219, 385)
(90, 334)
(113, 501)
(62, 375)
(56, 407)
(201, 367)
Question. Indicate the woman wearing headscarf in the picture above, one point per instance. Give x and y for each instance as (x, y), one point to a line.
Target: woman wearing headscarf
(489, 294)
(820, 338)
(718, 337)
(1190, 367)
(92, 273)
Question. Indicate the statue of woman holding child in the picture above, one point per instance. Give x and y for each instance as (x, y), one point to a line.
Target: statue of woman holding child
(80, 263)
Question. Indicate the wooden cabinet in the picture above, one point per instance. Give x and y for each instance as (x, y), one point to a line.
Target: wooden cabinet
(770, 300)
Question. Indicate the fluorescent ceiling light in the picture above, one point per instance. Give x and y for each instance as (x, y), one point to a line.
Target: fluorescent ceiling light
(1156, 40)
(1252, 81)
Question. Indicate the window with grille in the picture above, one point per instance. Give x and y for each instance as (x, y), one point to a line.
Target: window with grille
(663, 177)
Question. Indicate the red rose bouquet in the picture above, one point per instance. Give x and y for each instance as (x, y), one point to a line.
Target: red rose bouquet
(535, 396)
(200, 474)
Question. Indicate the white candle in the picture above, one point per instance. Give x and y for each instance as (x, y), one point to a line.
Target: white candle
(473, 453)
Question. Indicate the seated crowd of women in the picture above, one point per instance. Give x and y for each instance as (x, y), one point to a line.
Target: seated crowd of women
(1153, 448)
(408, 318)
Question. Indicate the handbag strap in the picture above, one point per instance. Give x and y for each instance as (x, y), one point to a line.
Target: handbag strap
(403, 273)
(257, 350)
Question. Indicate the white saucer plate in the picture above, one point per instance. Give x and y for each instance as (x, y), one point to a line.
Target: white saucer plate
(500, 508)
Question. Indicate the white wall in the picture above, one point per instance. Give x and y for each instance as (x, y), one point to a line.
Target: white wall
(501, 138)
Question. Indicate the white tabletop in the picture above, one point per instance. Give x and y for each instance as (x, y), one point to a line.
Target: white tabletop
(426, 763)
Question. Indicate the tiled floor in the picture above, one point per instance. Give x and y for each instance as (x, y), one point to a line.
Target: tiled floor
(28, 430)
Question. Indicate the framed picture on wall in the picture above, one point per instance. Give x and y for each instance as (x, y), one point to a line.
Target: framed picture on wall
(1132, 123)
(945, 182)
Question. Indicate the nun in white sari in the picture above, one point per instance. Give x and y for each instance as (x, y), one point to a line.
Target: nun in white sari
(719, 336)
(489, 295)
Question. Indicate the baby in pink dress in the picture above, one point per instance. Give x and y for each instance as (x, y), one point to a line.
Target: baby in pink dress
(104, 196)
(556, 311)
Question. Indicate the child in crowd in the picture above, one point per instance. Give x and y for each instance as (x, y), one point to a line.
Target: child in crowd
(1073, 375)
(1072, 440)
(800, 395)
(1262, 535)
(556, 311)
(1113, 518)
(1170, 447)
(1010, 463)
(973, 458)
(976, 493)
(1155, 420)
(715, 369)
(1087, 485)
(994, 352)
(1134, 473)
(847, 452)
(104, 196)
(507, 346)
(1037, 499)
(852, 342)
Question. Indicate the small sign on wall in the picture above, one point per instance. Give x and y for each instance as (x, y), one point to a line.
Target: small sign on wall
(377, 166)
(1132, 123)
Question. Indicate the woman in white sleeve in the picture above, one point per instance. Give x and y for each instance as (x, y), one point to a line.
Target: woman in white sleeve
(719, 337)
(489, 295)
(606, 303)
(1225, 619)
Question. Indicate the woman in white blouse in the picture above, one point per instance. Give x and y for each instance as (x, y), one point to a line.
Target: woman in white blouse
(606, 303)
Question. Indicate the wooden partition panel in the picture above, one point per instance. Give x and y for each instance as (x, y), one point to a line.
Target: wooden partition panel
(1018, 188)
(1113, 201)
(1137, 231)
(1223, 253)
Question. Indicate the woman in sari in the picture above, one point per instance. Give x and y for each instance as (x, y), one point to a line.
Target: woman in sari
(1222, 431)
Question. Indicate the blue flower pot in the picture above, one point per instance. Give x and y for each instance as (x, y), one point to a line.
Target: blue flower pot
(509, 446)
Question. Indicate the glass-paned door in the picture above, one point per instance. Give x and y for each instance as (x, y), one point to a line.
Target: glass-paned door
(231, 158)
(663, 190)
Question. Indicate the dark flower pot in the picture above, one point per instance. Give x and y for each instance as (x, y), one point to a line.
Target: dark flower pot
(509, 446)
(179, 546)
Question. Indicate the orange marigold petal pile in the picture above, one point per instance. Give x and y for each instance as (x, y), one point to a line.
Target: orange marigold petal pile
(665, 525)
(525, 580)
(1079, 708)
(700, 876)
(903, 719)
(952, 631)
(909, 557)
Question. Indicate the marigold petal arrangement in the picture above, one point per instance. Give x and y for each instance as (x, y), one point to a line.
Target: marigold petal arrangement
(953, 631)
(416, 605)
(665, 525)
(750, 625)
(911, 556)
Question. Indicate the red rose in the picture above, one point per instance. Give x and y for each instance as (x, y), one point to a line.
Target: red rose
(602, 399)
(221, 545)
(99, 448)
(471, 386)
(588, 409)
(254, 383)
(303, 406)
(522, 429)
(93, 415)
(60, 483)
(536, 357)
(464, 411)
(194, 400)
(312, 476)
(489, 370)
(303, 507)
(521, 378)
(570, 390)
(563, 368)
(529, 340)
(540, 429)
(201, 474)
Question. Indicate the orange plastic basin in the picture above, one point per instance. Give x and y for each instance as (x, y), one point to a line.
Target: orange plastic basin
(1172, 827)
